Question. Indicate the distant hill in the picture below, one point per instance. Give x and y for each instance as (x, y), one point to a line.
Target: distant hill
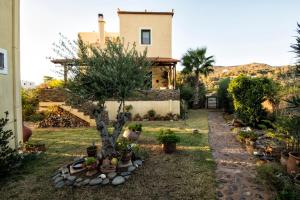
(280, 73)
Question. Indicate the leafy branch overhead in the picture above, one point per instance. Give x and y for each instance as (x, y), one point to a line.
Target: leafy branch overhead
(113, 72)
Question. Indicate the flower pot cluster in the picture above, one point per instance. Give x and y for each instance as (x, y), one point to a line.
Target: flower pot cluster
(94, 169)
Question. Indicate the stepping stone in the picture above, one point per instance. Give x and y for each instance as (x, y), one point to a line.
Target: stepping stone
(95, 181)
(105, 181)
(112, 175)
(118, 180)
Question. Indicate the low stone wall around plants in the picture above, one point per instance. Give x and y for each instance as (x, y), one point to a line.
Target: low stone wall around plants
(61, 95)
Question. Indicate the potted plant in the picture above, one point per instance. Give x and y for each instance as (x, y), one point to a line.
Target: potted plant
(90, 163)
(133, 132)
(92, 151)
(124, 149)
(168, 139)
(284, 156)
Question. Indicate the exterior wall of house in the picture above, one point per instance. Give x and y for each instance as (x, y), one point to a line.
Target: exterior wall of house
(142, 107)
(10, 83)
(157, 78)
(161, 32)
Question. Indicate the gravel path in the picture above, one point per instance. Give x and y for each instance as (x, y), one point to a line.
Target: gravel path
(235, 170)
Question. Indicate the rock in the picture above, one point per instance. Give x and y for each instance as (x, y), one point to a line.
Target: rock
(111, 175)
(56, 175)
(71, 178)
(103, 176)
(195, 131)
(138, 162)
(127, 177)
(105, 181)
(125, 173)
(59, 184)
(79, 180)
(247, 193)
(246, 129)
(118, 180)
(58, 179)
(131, 168)
(77, 184)
(136, 165)
(95, 181)
(86, 181)
(69, 183)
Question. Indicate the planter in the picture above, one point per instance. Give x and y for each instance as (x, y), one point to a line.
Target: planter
(131, 135)
(293, 163)
(169, 147)
(91, 151)
(26, 133)
(284, 158)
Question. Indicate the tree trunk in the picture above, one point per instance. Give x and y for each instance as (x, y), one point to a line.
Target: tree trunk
(196, 95)
(109, 140)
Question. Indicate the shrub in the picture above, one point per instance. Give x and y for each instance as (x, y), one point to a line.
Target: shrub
(248, 135)
(167, 137)
(135, 127)
(8, 156)
(187, 93)
(90, 160)
(137, 117)
(275, 177)
(30, 103)
(224, 98)
(151, 113)
(128, 108)
(249, 94)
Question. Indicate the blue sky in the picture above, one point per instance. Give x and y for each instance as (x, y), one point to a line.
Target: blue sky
(234, 31)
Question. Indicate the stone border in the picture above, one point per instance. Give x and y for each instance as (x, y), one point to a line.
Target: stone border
(62, 177)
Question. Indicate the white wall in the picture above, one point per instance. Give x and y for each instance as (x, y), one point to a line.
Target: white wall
(142, 107)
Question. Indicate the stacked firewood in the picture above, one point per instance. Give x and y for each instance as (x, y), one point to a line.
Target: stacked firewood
(58, 117)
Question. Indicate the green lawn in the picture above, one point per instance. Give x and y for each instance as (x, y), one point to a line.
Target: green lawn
(187, 174)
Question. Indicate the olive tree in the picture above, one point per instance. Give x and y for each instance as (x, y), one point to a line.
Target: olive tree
(103, 73)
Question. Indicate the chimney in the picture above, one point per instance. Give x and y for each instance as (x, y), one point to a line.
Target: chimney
(101, 24)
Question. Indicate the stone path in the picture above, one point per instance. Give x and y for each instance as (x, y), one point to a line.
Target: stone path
(235, 170)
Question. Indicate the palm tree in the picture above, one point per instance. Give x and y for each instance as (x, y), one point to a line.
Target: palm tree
(195, 61)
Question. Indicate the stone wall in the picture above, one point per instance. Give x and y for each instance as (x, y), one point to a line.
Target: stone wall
(53, 95)
(61, 95)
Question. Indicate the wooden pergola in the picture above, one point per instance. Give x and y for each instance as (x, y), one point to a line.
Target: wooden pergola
(156, 62)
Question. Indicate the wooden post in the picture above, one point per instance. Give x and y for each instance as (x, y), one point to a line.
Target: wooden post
(174, 71)
(65, 74)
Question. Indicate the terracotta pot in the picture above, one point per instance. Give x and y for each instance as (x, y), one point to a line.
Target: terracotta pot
(91, 151)
(26, 133)
(169, 147)
(293, 162)
(284, 158)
